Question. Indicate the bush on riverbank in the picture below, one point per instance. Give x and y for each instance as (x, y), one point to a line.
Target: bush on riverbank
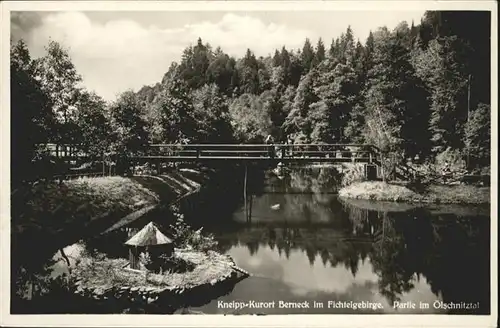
(351, 173)
(186, 237)
(381, 191)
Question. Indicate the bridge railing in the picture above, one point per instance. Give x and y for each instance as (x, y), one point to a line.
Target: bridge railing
(357, 151)
(179, 152)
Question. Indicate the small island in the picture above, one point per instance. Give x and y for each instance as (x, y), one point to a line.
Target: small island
(445, 180)
(158, 277)
(435, 194)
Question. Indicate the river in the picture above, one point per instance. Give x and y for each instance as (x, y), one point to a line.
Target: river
(304, 244)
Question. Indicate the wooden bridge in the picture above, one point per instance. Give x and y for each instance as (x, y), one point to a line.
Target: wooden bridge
(333, 153)
(158, 155)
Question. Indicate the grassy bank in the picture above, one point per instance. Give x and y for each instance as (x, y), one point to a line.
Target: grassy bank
(45, 211)
(54, 207)
(432, 194)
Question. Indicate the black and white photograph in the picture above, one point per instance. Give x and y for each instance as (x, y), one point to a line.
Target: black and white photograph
(223, 160)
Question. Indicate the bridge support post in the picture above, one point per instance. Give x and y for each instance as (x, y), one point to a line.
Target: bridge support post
(370, 172)
(245, 192)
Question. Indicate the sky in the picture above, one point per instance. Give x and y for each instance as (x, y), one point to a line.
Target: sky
(119, 51)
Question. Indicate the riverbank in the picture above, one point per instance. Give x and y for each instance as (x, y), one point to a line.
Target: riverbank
(58, 214)
(431, 194)
(459, 210)
(52, 216)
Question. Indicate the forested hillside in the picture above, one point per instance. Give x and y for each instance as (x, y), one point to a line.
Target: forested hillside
(420, 91)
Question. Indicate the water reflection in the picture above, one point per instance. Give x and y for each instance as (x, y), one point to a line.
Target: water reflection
(314, 247)
(318, 248)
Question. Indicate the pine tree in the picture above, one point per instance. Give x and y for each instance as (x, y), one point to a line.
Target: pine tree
(320, 53)
(248, 68)
(363, 64)
(277, 58)
(332, 51)
(307, 55)
(298, 123)
(345, 47)
(194, 64)
(296, 68)
(221, 71)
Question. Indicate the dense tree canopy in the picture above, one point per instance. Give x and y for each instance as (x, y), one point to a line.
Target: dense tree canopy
(417, 90)
(32, 119)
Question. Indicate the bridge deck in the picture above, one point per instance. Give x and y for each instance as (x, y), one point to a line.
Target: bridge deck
(83, 164)
(333, 153)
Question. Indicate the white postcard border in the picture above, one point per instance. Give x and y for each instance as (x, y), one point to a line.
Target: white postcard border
(336, 320)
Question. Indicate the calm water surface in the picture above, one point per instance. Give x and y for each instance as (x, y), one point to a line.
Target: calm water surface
(315, 247)
(301, 243)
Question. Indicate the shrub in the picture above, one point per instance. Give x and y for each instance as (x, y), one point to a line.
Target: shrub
(175, 264)
(186, 237)
(477, 137)
(352, 173)
(451, 156)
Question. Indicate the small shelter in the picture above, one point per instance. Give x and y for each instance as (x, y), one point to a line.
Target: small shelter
(150, 239)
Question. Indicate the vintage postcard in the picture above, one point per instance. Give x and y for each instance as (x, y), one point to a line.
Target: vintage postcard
(261, 163)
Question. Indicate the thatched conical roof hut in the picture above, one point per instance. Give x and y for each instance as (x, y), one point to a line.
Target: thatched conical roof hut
(148, 236)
